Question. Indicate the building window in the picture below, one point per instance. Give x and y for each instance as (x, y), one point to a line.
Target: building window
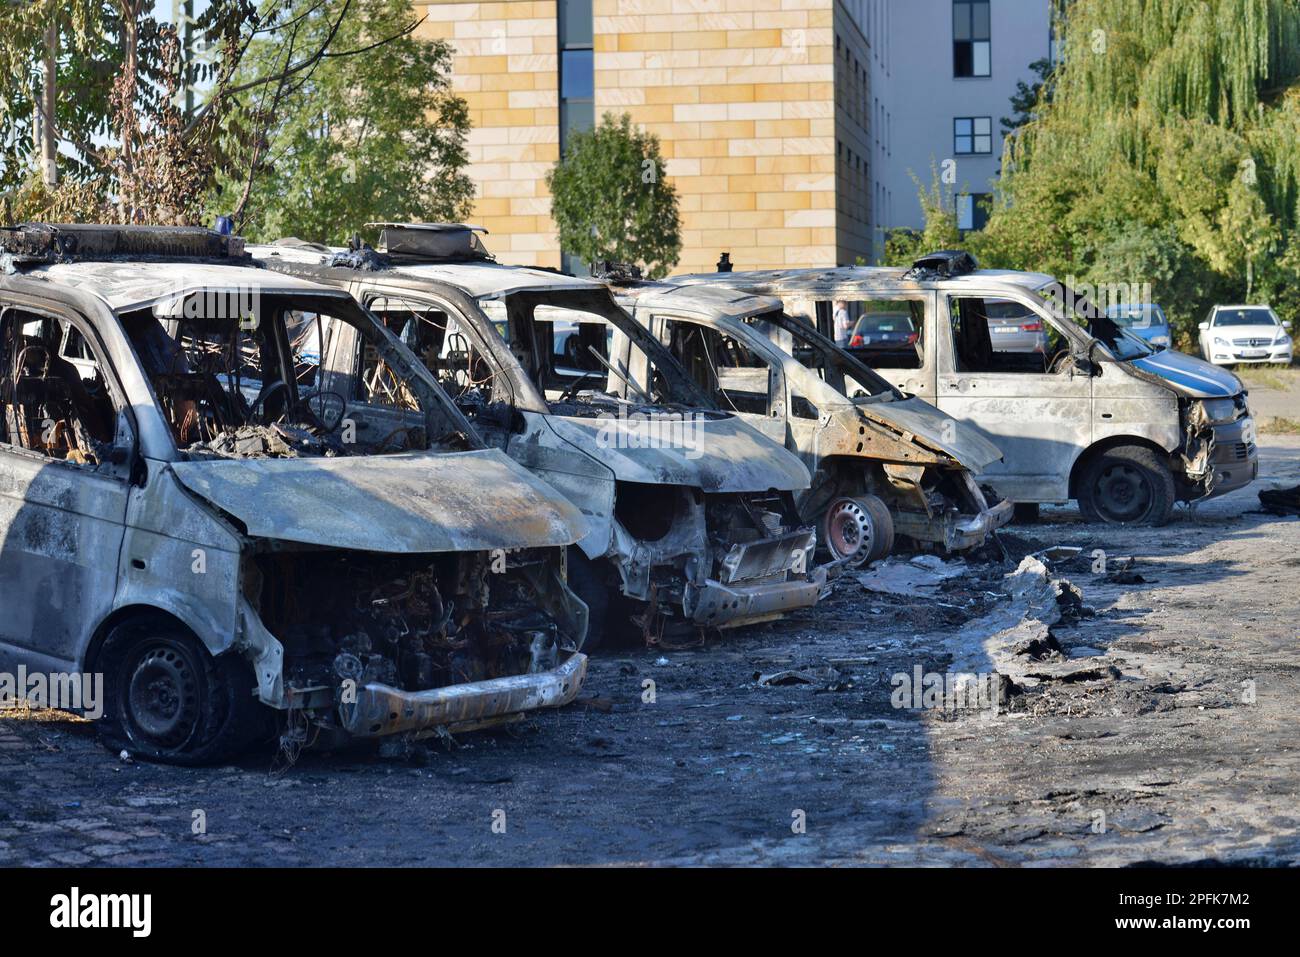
(971, 48)
(972, 134)
(577, 73)
(973, 211)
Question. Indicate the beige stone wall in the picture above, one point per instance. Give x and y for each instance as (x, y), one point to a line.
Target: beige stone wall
(740, 92)
(506, 67)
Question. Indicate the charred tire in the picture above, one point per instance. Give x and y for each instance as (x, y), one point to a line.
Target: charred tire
(855, 530)
(846, 531)
(1127, 485)
(167, 699)
(883, 538)
(1025, 513)
(588, 583)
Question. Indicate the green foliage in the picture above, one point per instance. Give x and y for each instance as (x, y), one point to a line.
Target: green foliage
(1029, 98)
(69, 202)
(1166, 150)
(612, 201)
(357, 138)
(87, 49)
(938, 203)
(126, 152)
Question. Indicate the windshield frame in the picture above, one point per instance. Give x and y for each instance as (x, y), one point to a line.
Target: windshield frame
(803, 330)
(597, 300)
(440, 414)
(1069, 307)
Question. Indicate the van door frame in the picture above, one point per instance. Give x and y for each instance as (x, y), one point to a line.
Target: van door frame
(1049, 485)
(85, 583)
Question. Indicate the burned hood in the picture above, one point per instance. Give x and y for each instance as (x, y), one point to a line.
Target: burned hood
(935, 430)
(1189, 375)
(716, 454)
(409, 503)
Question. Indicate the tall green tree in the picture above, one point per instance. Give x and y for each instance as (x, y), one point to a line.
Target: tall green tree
(1168, 151)
(373, 131)
(611, 199)
(142, 124)
(91, 118)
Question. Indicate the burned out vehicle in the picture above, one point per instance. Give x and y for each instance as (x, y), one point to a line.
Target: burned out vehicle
(692, 520)
(881, 462)
(1096, 414)
(195, 509)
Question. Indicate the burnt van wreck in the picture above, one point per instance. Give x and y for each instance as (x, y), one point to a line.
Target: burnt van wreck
(337, 549)
(692, 521)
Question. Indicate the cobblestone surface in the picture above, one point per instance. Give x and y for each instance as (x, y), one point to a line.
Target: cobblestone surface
(1161, 757)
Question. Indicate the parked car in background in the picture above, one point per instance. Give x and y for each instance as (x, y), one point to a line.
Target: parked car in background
(879, 334)
(1014, 328)
(1144, 319)
(1232, 335)
(692, 521)
(224, 532)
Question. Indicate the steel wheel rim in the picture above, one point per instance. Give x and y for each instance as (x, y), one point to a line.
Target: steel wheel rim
(162, 696)
(849, 531)
(1124, 492)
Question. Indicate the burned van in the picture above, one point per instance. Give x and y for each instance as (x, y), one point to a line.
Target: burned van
(882, 463)
(194, 508)
(1081, 407)
(692, 518)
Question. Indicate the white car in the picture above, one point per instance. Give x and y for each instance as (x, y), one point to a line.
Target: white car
(1232, 335)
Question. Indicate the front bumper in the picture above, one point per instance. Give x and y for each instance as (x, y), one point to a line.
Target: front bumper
(955, 530)
(381, 710)
(720, 605)
(1235, 459)
(1235, 356)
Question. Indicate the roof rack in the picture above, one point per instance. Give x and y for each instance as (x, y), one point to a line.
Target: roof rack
(432, 242)
(620, 274)
(41, 243)
(944, 264)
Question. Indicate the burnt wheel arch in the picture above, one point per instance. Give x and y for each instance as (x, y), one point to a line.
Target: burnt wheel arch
(1105, 445)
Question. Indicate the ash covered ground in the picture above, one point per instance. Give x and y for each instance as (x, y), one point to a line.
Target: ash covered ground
(1157, 723)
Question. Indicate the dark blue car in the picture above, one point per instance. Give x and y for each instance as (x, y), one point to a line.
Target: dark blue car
(1145, 319)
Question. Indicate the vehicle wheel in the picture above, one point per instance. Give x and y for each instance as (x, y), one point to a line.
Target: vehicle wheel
(846, 530)
(883, 536)
(166, 699)
(1025, 513)
(1127, 485)
(588, 583)
(854, 530)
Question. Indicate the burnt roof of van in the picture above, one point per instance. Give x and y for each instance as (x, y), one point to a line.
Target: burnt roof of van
(33, 244)
(716, 298)
(479, 279)
(127, 285)
(847, 279)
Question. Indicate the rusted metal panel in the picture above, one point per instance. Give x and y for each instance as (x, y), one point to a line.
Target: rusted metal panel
(730, 606)
(885, 434)
(409, 502)
(380, 709)
(721, 454)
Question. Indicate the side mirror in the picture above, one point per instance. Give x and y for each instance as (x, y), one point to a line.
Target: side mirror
(119, 455)
(1286, 324)
(1203, 326)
